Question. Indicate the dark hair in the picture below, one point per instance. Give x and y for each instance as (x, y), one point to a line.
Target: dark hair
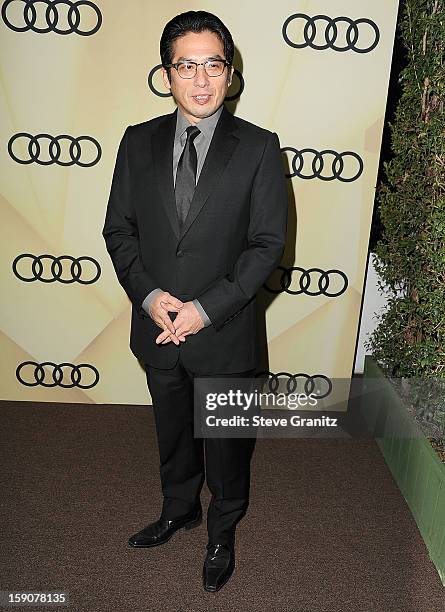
(194, 21)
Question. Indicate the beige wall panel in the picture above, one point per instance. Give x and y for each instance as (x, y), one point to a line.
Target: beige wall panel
(97, 85)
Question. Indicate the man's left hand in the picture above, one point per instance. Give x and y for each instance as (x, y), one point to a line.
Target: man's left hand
(188, 321)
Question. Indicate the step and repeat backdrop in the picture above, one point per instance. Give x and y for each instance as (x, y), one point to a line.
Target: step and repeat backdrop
(75, 74)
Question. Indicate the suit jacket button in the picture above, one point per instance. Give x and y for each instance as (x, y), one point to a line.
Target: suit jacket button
(180, 253)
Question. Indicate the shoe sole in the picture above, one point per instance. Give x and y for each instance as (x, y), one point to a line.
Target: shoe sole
(189, 525)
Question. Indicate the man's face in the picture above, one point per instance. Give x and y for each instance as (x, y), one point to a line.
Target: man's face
(202, 95)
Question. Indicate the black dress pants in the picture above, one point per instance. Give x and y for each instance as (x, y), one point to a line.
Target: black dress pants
(182, 465)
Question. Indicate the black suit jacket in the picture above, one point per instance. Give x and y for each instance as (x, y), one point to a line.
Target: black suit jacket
(232, 239)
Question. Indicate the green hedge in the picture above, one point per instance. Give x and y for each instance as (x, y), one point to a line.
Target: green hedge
(410, 338)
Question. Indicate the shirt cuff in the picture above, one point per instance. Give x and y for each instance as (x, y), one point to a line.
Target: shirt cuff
(203, 313)
(148, 300)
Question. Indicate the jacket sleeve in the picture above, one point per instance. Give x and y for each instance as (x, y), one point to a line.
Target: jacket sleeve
(121, 233)
(266, 238)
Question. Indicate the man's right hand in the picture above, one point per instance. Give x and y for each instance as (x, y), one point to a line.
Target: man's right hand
(159, 309)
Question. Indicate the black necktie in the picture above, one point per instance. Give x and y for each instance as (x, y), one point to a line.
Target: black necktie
(186, 175)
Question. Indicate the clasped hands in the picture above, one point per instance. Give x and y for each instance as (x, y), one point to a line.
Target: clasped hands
(188, 320)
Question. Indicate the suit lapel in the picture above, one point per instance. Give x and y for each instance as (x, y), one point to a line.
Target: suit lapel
(221, 149)
(162, 155)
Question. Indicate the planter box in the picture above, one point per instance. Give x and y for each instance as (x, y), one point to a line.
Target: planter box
(418, 471)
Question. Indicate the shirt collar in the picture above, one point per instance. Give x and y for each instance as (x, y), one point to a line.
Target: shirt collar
(206, 125)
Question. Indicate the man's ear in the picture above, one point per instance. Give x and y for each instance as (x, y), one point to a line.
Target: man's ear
(229, 80)
(165, 78)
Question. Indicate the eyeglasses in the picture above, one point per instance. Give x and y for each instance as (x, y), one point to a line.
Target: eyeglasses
(187, 70)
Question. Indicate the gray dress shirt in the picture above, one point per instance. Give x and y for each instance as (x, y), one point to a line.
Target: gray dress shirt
(202, 143)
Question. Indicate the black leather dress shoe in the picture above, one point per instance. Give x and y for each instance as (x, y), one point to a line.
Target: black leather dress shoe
(218, 566)
(163, 529)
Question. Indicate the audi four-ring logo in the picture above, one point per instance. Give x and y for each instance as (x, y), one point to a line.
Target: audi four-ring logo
(346, 173)
(84, 270)
(54, 149)
(50, 374)
(317, 382)
(167, 94)
(331, 32)
(305, 278)
(51, 16)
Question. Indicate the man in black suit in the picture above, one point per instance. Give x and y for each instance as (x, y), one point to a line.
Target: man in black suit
(195, 224)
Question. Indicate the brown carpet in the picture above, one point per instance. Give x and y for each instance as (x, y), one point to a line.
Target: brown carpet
(327, 529)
